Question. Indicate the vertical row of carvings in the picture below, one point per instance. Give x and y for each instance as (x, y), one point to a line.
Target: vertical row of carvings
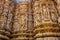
(30, 22)
(6, 11)
(57, 3)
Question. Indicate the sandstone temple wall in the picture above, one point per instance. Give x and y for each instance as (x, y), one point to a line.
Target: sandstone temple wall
(30, 20)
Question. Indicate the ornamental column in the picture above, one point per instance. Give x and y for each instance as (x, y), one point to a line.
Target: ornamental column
(45, 19)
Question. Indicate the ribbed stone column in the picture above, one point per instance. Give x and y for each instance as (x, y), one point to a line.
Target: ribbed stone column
(45, 19)
(20, 21)
(6, 9)
(30, 22)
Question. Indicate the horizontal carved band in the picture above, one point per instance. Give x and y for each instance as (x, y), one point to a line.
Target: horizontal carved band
(19, 34)
(30, 34)
(47, 29)
(5, 32)
(47, 34)
(20, 31)
(23, 34)
(46, 25)
(30, 31)
(4, 37)
(20, 38)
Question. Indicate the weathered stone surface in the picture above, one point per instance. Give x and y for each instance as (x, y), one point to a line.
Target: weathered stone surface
(30, 20)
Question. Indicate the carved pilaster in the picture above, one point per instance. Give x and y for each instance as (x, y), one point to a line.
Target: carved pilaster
(30, 22)
(20, 21)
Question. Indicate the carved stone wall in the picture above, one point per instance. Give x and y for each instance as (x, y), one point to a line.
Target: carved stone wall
(30, 20)
(45, 19)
